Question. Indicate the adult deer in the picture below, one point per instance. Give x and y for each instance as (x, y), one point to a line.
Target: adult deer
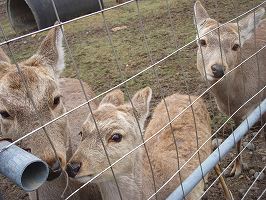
(121, 132)
(48, 91)
(222, 50)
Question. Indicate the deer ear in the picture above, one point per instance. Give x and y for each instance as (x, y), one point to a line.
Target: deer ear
(50, 53)
(141, 102)
(248, 25)
(200, 14)
(3, 56)
(116, 97)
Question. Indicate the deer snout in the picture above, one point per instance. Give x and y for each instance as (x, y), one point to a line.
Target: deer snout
(73, 168)
(55, 170)
(217, 70)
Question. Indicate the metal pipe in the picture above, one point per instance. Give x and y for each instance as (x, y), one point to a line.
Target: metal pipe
(23, 168)
(190, 182)
(29, 15)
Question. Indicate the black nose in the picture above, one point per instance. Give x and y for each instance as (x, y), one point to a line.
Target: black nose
(73, 168)
(54, 171)
(218, 71)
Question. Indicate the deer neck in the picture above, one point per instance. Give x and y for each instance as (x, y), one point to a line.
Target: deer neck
(230, 91)
(130, 184)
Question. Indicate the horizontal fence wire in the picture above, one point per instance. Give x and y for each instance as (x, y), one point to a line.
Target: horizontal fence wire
(124, 82)
(136, 75)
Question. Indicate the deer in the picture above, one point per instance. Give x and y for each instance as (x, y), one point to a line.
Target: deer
(41, 74)
(121, 127)
(223, 49)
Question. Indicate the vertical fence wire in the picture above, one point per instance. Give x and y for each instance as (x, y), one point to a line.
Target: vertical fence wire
(29, 94)
(159, 85)
(132, 77)
(118, 64)
(86, 97)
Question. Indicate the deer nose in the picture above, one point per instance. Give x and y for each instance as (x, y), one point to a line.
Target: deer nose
(217, 70)
(54, 170)
(73, 168)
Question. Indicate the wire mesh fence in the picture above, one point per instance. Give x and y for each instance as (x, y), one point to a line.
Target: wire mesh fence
(165, 70)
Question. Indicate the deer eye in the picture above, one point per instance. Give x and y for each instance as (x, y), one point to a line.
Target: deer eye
(117, 137)
(57, 100)
(5, 114)
(202, 43)
(235, 47)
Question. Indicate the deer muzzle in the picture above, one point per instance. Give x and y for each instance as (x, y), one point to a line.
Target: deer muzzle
(217, 70)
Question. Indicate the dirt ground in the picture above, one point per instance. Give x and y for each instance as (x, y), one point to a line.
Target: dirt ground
(162, 25)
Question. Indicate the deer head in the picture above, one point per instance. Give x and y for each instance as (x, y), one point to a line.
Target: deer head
(219, 50)
(120, 126)
(18, 116)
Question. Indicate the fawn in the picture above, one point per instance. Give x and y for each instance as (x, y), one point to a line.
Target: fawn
(121, 127)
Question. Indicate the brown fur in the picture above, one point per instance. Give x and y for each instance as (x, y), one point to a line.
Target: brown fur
(133, 172)
(240, 85)
(41, 74)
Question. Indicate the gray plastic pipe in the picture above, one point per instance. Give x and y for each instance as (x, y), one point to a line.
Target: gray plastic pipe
(214, 158)
(23, 168)
(30, 15)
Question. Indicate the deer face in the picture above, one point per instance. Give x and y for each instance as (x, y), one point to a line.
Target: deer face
(17, 114)
(120, 133)
(218, 50)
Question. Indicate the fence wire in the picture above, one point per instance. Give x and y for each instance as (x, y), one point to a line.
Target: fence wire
(124, 83)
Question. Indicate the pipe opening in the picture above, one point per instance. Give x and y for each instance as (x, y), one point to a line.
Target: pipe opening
(21, 16)
(34, 175)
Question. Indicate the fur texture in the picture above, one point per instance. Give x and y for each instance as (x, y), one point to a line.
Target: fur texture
(41, 74)
(133, 173)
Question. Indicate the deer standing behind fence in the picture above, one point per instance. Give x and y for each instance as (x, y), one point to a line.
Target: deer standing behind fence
(48, 91)
(121, 132)
(222, 50)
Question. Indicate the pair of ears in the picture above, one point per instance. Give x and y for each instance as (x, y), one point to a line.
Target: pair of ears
(49, 54)
(247, 25)
(141, 102)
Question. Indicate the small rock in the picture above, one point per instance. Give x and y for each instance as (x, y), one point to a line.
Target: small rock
(245, 166)
(254, 133)
(241, 176)
(33, 36)
(250, 146)
(241, 192)
(216, 142)
(118, 28)
(263, 158)
(25, 42)
(255, 188)
(261, 177)
(252, 172)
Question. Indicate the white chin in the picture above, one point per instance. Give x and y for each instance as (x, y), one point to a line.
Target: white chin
(211, 78)
(84, 179)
